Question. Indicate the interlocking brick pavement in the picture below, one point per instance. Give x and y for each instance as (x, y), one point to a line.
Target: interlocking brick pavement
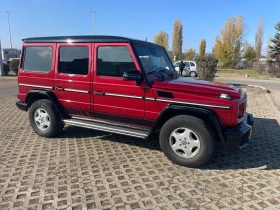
(86, 169)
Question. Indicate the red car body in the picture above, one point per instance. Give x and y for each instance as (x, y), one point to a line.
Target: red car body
(116, 100)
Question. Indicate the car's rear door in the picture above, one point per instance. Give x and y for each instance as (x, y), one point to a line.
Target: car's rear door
(187, 68)
(72, 77)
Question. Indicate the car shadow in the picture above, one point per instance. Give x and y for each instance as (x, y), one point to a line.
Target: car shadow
(263, 150)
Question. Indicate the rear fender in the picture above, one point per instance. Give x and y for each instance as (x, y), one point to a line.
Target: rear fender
(36, 95)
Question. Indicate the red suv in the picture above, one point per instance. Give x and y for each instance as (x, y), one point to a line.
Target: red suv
(128, 87)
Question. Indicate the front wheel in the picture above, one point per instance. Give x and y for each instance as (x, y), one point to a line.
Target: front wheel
(187, 141)
(44, 119)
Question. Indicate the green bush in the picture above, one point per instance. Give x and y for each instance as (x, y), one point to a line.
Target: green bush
(6, 69)
(206, 66)
(14, 64)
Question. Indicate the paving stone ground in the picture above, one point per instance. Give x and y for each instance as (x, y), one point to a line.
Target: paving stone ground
(86, 169)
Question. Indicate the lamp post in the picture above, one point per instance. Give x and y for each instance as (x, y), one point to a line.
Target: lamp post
(93, 16)
(8, 14)
(1, 61)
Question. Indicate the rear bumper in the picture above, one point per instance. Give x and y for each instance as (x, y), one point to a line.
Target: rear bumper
(21, 106)
(238, 137)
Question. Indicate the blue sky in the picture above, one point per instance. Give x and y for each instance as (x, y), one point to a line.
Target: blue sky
(201, 19)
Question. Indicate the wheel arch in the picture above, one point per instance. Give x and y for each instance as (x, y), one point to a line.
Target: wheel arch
(35, 95)
(173, 110)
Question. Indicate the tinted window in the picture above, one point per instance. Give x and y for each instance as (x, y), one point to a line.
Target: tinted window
(113, 61)
(37, 59)
(73, 60)
(187, 64)
(192, 64)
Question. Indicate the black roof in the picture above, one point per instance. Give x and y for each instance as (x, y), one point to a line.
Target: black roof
(82, 39)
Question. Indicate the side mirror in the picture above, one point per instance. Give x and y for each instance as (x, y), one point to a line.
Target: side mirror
(133, 75)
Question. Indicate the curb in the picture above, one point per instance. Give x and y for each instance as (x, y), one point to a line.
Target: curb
(256, 86)
(275, 109)
(268, 97)
(261, 87)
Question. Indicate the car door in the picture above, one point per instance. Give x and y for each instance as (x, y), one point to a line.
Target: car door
(187, 68)
(177, 66)
(72, 78)
(114, 98)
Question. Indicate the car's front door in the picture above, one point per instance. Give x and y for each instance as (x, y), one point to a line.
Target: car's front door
(72, 78)
(113, 98)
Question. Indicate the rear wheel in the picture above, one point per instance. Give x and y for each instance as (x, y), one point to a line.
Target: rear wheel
(193, 74)
(44, 119)
(187, 141)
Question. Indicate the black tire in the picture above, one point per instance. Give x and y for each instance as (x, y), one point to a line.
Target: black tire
(203, 132)
(55, 123)
(193, 72)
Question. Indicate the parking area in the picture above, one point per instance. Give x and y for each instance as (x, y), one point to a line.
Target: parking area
(86, 169)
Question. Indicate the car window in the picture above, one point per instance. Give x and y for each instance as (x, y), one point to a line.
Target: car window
(176, 65)
(37, 59)
(187, 64)
(114, 61)
(153, 59)
(73, 60)
(192, 64)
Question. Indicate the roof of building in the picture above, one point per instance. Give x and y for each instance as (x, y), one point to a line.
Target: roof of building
(82, 39)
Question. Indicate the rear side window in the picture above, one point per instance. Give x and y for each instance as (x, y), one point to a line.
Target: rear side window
(192, 64)
(37, 59)
(73, 60)
(187, 64)
(113, 61)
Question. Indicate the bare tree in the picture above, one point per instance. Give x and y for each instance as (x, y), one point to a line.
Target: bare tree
(259, 39)
(177, 40)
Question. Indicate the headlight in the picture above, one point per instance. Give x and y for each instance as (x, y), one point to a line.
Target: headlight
(225, 96)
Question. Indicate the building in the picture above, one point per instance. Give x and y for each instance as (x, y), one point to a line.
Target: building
(8, 54)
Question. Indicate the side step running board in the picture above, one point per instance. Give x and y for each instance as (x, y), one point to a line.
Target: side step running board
(107, 128)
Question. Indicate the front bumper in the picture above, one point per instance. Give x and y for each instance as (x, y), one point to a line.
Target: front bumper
(21, 106)
(238, 137)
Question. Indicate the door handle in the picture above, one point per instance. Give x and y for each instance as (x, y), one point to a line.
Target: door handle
(59, 88)
(98, 93)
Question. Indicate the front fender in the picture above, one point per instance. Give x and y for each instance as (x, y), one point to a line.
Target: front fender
(172, 110)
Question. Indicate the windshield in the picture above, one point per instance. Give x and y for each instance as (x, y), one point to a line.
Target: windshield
(153, 59)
